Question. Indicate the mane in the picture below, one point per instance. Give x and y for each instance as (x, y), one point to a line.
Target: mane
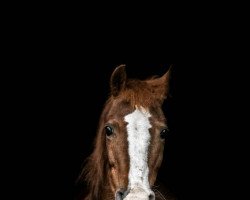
(96, 164)
(143, 93)
(138, 93)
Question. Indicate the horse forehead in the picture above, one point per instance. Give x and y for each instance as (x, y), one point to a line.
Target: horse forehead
(118, 110)
(139, 117)
(146, 117)
(139, 113)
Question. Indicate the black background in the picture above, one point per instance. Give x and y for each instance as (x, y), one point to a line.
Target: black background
(64, 108)
(57, 83)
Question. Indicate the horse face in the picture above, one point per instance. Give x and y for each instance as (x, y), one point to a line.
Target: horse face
(135, 131)
(135, 140)
(130, 140)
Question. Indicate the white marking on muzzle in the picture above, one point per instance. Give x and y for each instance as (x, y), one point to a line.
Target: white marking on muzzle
(138, 143)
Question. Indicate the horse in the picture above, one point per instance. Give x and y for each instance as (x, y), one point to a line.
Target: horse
(130, 139)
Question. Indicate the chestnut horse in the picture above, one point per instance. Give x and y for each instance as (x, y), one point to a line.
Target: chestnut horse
(130, 140)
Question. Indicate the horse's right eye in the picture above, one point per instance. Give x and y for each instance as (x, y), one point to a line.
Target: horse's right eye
(108, 130)
(164, 133)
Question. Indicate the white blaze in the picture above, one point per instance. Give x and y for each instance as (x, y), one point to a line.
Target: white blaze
(138, 143)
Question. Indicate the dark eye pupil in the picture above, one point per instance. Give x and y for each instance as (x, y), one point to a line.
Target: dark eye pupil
(163, 133)
(108, 130)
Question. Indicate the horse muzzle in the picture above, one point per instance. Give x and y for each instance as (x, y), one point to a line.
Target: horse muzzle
(136, 193)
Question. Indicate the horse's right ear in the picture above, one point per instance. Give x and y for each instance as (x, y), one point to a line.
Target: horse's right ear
(118, 80)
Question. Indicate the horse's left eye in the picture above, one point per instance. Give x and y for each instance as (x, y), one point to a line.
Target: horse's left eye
(108, 130)
(164, 133)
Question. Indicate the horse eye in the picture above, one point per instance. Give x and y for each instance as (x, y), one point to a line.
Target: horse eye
(164, 133)
(108, 130)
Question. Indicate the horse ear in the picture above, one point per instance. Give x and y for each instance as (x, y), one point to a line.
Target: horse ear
(165, 79)
(118, 80)
(160, 86)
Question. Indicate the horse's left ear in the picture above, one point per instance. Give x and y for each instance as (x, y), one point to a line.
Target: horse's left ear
(165, 79)
(160, 86)
(118, 80)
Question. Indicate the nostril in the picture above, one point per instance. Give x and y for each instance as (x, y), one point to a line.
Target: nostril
(151, 197)
(119, 194)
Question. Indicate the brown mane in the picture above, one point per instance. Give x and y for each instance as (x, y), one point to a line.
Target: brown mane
(137, 92)
(96, 164)
(143, 93)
